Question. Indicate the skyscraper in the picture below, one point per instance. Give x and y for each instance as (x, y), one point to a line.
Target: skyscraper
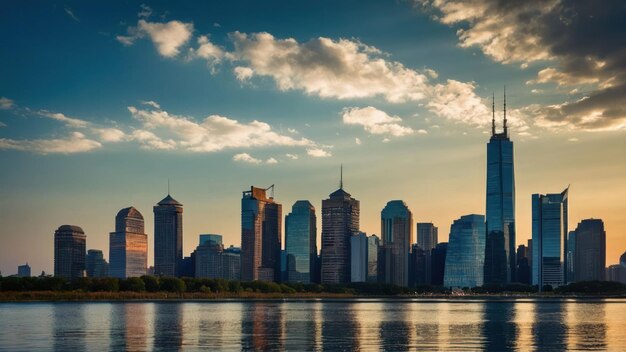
(523, 265)
(500, 258)
(396, 239)
(427, 235)
(419, 266)
(301, 242)
(261, 224)
(128, 245)
(466, 251)
(438, 263)
(209, 257)
(95, 264)
(340, 221)
(590, 253)
(570, 256)
(549, 229)
(69, 252)
(358, 257)
(168, 237)
(231, 263)
(23, 270)
(373, 243)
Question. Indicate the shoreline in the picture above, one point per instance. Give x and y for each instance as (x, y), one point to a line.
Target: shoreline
(147, 297)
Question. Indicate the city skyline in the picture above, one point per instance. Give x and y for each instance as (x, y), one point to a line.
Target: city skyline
(112, 110)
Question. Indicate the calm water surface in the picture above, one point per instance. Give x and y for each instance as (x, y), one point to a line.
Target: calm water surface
(368, 324)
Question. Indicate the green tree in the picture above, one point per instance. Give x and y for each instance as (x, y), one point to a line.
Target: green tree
(151, 283)
(172, 284)
(133, 284)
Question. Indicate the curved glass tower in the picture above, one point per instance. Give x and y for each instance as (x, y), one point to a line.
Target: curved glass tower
(396, 236)
(301, 242)
(500, 258)
(466, 250)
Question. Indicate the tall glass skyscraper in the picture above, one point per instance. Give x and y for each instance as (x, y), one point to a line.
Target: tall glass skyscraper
(500, 261)
(340, 221)
(69, 251)
(168, 237)
(549, 229)
(261, 224)
(396, 238)
(128, 245)
(301, 242)
(466, 252)
(590, 251)
(427, 235)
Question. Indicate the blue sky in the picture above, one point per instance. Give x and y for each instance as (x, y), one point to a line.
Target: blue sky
(100, 104)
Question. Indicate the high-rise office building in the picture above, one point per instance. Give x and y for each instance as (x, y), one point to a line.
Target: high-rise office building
(208, 259)
(419, 266)
(622, 259)
(261, 224)
(438, 263)
(301, 242)
(340, 221)
(95, 264)
(570, 256)
(168, 237)
(358, 257)
(396, 239)
(231, 263)
(523, 265)
(590, 254)
(23, 270)
(373, 243)
(427, 235)
(549, 232)
(500, 256)
(466, 252)
(69, 252)
(128, 245)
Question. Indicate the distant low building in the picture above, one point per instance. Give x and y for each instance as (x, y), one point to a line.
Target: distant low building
(23, 270)
(616, 273)
(231, 263)
(95, 264)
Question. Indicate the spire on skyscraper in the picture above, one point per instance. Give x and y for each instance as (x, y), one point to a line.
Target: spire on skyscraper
(493, 114)
(505, 132)
(341, 177)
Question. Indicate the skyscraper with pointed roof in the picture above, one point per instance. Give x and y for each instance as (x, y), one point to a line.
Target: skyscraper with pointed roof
(168, 236)
(128, 245)
(340, 220)
(500, 261)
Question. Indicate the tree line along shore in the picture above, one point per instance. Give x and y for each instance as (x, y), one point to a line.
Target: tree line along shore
(161, 288)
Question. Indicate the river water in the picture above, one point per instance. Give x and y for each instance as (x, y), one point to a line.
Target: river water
(332, 325)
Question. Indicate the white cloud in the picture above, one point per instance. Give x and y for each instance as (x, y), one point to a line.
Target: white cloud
(149, 140)
(573, 139)
(271, 161)
(292, 156)
(208, 51)
(318, 153)
(167, 37)
(246, 158)
(386, 140)
(2, 124)
(341, 69)
(75, 143)
(145, 11)
(243, 74)
(110, 134)
(70, 13)
(151, 103)
(215, 132)
(69, 121)
(457, 101)
(357, 141)
(6, 103)
(375, 121)
(422, 131)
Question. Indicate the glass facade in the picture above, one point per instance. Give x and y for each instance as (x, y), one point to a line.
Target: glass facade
(549, 232)
(500, 261)
(427, 235)
(590, 253)
(358, 257)
(396, 239)
(466, 252)
(340, 221)
(128, 245)
(168, 237)
(95, 264)
(69, 252)
(301, 242)
(571, 252)
(372, 258)
(261, 233)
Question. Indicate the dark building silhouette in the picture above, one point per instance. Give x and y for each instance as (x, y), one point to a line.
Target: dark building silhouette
(500, 261)
(209, 257)
(69, 252)
(396, 239)
(23, 270)
(261, 233)
(419, 266)
(427, 235)
(570, 256)
(523, 265)
(95, 264)
(301, 242)
(168, 237)
(128, 245)
(340, 221)
(590, 253)
(438, 263)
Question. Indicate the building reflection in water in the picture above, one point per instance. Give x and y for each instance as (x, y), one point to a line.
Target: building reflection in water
(499, 326)
(300, 326)
(69, 327)
(339, 327)
(424, 324)
(395, 329)
(368, 316)
(219, 325)
(548, 329)
(127, 327)
(587, 326)
(261, 327)
(168, 326)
